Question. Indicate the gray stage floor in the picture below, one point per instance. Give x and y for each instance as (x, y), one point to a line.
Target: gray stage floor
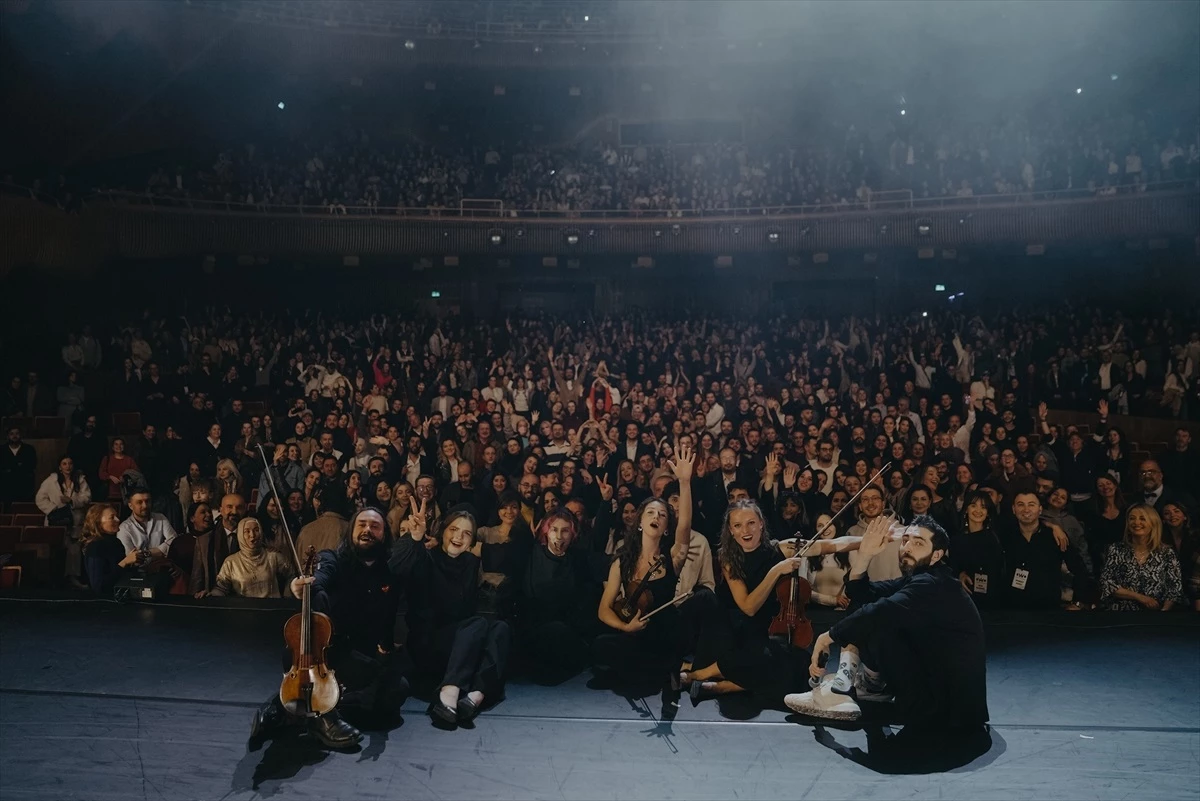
(99, 701)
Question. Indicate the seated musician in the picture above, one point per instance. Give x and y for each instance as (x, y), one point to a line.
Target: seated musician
(556, 621)
(360, 591)
(641, 579)
(917, 640)
(736, 652)
(450, 639)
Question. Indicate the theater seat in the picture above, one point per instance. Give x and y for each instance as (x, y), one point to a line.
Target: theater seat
(23, 508)
(21, 521)
(9, 537)
(49, 427)
(53, 536)
(25, 424)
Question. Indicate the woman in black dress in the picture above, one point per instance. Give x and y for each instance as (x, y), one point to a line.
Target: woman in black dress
(504, 550)
(637, 649)
(975, 551)
(103, 554)
(447, 636)
(559, 590)
(735, 652)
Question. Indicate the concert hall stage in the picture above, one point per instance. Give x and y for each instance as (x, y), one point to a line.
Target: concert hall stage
(104, 701)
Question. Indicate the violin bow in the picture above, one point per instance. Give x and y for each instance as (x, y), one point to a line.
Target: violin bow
(849, 504)
(283, 512)
(681, 597)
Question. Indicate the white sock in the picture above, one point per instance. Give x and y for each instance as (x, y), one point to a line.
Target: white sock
(847, 668)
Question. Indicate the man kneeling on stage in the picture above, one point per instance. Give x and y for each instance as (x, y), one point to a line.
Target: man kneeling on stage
(916, 641)
(361, 593)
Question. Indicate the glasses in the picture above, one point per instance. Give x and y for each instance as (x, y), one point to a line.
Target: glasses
(1151, 473)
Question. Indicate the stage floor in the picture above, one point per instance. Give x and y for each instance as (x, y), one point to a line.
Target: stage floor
(100, 701)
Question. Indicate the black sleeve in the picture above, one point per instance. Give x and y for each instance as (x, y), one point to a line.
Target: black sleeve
(324, 581)
(890, 610)
(862, 591)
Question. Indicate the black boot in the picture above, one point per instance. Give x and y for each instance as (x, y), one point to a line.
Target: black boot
(334, 732)
(268, 719)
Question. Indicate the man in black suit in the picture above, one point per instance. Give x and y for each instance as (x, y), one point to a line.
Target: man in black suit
(18, 464)
(1155, 493)
(1181, 463)
(714, 493)
(632, 447)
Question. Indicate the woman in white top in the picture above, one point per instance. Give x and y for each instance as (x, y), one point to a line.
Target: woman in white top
(64, 497)
(828, 573)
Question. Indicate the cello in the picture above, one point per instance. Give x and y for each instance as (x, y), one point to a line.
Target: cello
(795, 593)
(309, 687)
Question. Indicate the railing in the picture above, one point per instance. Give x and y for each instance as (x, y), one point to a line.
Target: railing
(468, 211)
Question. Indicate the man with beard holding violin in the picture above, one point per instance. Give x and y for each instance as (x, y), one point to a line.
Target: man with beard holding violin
(916, 641)
(360, 591)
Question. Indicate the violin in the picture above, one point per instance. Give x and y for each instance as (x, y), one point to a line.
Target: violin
(637, 597)
(309, 688)
(795, 593)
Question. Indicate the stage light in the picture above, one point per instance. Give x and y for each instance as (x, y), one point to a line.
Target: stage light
(1079, 91)
(586, 18)
(923, 227)
(280, 106)
(496, 236)
(409, 44)
(737, 230)
(902, 112)
(924, 314)
(773, 237)
(435, 294)
(676, 230)
(657, 233)
(572, 237)
(939, 287)
(537, 48)
(1113, 76)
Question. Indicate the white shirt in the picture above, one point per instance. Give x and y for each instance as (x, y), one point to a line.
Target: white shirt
(1106, 375)
(156, 534)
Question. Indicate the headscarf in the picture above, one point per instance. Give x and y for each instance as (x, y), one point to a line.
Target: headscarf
(257, 556)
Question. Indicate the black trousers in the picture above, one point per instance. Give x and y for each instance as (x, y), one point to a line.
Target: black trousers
(374, 686)
(906, 675)
(554, 650)
(657, 650)
(473, 655)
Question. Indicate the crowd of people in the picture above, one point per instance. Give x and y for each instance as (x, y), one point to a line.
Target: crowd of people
(530, 482)
(829, 168)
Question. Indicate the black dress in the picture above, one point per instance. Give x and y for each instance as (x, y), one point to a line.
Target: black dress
(101, 559)
(655, 651)
(740, 644)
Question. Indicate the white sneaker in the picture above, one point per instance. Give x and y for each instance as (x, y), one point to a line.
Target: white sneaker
(829, 699)
(869, 686)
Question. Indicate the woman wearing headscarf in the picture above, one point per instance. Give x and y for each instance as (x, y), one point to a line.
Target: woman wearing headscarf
(253, 571)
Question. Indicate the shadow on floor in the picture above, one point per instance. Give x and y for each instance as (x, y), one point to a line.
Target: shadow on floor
(918, 752)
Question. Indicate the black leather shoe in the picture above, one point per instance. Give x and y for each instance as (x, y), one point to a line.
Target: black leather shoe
(440, 712)
(467, 710)
(267, 719)
(334, 732)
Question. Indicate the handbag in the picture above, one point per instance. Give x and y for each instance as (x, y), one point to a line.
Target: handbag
(62, 516)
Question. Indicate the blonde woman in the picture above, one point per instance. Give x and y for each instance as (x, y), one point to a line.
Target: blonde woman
(103, 553)
(230, 479)
(1140, 572)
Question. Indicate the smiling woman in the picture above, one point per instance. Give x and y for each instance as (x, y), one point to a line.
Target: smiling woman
(466, 651)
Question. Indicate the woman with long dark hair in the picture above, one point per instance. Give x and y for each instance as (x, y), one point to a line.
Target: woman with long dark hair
(1104, 521)
(504, 550)
(1179, 534)
(975, 550)
(647, 563)
(827, 573)
(63, 498)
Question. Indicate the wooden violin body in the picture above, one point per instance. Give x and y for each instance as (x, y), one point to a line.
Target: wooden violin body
(637, 597)
(794, 593)
(309, 687)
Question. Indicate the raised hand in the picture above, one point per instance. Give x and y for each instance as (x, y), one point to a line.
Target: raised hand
(876, 537)
(772, 464)
(683, 464)
(1102, 407)
(1043, 410)
(417, 519)
(790, 474)
(606, 490)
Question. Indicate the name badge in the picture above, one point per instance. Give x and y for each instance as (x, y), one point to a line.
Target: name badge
(1020, 578)
(981, 583)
